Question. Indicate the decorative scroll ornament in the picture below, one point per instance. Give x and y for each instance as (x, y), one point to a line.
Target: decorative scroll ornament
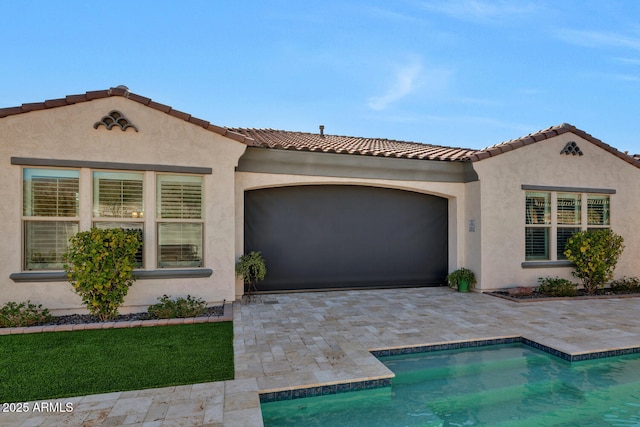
(572, 148)
(115, 118)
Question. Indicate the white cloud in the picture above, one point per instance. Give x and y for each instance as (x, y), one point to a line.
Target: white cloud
(630, 61)
(626, 77)
(598, 39)
(406, 81)
(390, 14)
(481, 11)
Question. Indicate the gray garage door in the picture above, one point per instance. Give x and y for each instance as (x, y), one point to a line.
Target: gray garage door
(344, 236)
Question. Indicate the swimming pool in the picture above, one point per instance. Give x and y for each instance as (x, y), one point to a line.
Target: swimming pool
(500, 385)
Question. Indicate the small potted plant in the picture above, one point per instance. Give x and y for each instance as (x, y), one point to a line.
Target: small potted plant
(461, 279)
(251, 268)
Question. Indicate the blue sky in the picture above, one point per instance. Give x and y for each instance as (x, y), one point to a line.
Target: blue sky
(468, 73)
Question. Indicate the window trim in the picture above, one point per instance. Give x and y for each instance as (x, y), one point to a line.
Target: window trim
(165, 273)
(568, 189)
(107, 166)
(533, 221)
(554, 191)
(159, 219)
(31, 218)
(87, 219)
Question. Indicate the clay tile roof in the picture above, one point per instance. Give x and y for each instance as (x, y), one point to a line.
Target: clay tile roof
(124, 92)
(541, 135)
(301, 141)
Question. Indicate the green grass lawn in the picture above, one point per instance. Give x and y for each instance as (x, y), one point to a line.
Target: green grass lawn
(62, 364)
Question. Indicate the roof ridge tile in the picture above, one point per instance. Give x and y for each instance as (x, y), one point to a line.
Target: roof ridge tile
(123, 92)
(544, 134)
(307, 141)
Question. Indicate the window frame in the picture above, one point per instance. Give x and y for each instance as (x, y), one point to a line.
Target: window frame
(136, 218)
(27, 215)
(87, 217)
(585, 194)
(536, 221)
(161, 221)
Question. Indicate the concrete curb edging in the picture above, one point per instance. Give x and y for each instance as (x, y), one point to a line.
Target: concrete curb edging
(225, 317)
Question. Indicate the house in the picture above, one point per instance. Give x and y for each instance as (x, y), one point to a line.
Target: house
(326, 211)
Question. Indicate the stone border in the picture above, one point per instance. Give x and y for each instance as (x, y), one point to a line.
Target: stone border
(225, 317)
(337, 388)
(453, 345)
(323, 390)
(546, 299)
(569, 357)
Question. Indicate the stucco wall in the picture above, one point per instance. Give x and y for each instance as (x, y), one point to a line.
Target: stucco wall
(503, 204)
(67, 133)
(454, 192)
(472, 230)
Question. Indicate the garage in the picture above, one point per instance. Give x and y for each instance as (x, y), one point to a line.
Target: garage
(318, 237)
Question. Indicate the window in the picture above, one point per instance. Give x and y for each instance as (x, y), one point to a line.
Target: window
(553, 217)
(569, 220)
(538, 220)
(57, 203)
(118, 195)
(598, 211)
(50, 213)
(118, 202)
(180, 220)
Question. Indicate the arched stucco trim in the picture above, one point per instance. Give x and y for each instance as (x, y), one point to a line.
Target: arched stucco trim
(361, 183)
(453, 192)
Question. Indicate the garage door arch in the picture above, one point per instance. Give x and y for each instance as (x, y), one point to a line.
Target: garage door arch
(347, 236)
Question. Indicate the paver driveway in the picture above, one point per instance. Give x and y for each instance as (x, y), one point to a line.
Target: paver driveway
(288, 341)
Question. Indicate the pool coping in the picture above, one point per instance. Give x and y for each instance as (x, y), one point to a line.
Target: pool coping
(292, 393)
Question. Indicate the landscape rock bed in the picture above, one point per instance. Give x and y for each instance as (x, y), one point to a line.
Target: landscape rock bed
(537, 296)
(78, 319)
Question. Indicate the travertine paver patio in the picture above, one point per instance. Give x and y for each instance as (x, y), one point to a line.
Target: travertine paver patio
(288, 341)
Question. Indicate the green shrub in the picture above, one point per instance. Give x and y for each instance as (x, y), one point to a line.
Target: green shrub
(169, 308)
(625, 285)
(455, 277)
(100, 268)
(252, 269)
(14, 314)
(595, 254)
(557, 287)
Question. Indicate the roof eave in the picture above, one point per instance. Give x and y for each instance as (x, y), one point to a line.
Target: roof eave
(124, 92)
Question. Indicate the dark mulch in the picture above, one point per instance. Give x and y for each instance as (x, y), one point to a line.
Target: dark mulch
(77, 319)
(535, 295)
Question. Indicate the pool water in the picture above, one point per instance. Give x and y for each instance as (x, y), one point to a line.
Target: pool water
(501, 385)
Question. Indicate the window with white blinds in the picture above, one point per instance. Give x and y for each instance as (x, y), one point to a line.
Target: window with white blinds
(179, 197)
(50, 209)
(46, 242)
(118, 195)
(179, 245)
(569, 215)
(53, 211)
(553, 217)
(598, 210)
(51, 193)
(180, 220)
(538, 220)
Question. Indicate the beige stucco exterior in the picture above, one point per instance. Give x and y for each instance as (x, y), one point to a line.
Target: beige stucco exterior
(497, 252)
(67, 133)
(486, 216)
